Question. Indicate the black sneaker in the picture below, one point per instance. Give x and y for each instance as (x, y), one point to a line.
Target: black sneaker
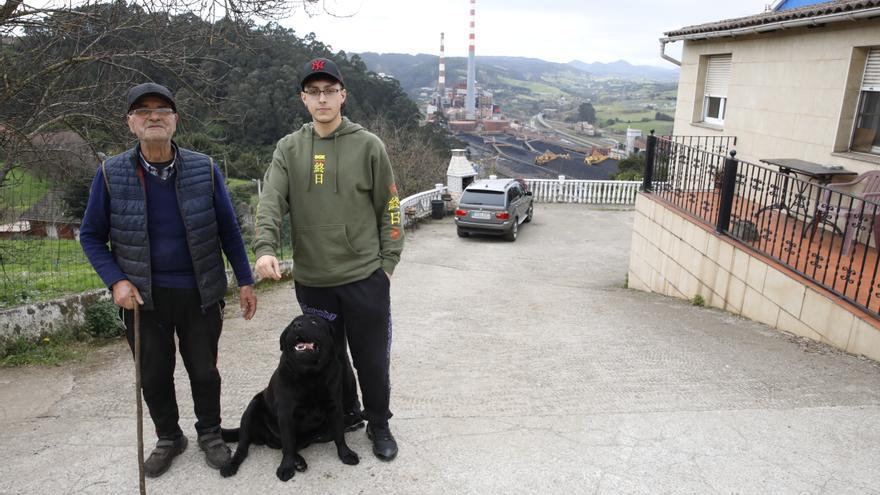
(354, 421)
(165, 452)
(217, 453)
(384, 445)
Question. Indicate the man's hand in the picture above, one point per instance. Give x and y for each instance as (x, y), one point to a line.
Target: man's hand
(267, 267)
(248, 301)
(123, 291)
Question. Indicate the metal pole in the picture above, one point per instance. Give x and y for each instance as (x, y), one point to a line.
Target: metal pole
(728, 188)
(137, 387)
(649, 163)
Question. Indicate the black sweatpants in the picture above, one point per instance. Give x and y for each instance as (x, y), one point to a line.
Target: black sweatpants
(362, 312)
(198, 332)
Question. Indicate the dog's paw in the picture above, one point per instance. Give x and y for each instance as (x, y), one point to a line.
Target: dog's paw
(349, 457)
(230, 469)
(299, 463)
(284, 473)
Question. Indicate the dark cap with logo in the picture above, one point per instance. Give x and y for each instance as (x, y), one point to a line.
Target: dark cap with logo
(320, 67)
(149, 89)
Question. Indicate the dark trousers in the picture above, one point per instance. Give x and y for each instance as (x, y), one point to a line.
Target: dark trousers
(361, 311)
(198, 332)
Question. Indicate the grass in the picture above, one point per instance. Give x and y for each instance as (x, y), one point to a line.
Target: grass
(41, 268)
(539, 89)
(47, 351)
(20, 191)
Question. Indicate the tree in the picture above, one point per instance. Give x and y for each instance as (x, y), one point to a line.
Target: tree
(631, 168)
(69, 67)
(586, 112)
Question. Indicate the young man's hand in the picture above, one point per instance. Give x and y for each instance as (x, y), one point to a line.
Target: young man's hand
(267, 267)
(248, 301)
(123, 291)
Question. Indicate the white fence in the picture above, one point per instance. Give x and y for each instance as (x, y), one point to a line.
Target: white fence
(605, 192)
(600, 192)
(419, 205)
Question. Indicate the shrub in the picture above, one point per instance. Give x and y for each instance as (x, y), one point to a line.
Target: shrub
(102, 320)
(698, 301)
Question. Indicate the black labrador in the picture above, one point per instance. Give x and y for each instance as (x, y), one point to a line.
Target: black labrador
(302, 404)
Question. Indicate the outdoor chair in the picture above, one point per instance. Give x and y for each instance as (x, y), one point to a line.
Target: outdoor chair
(852, 207)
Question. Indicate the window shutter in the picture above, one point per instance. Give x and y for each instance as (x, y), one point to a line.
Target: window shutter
(718, 75)
(871, 81)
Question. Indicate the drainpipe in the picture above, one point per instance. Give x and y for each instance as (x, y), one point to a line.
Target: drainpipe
(663, 54)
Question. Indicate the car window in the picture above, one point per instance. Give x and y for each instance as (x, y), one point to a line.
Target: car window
(488, 198)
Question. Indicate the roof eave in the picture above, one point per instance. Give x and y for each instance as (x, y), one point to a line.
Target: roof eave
(774, 26)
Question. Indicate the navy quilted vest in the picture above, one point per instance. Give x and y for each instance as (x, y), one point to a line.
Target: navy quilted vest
(128, 223)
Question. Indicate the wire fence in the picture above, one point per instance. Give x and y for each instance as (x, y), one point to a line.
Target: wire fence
(40, 254)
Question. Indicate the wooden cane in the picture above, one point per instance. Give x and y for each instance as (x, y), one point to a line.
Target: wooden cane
(137, 387)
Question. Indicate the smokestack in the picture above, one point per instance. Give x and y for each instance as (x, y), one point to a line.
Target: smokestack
(470, 102)
(441, 82)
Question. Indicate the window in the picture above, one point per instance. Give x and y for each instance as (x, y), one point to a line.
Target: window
(483, 197)
(866, 135)
(715, 92)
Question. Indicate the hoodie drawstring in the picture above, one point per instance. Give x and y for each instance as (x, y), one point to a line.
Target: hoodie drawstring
(310, 169)
(338, 163)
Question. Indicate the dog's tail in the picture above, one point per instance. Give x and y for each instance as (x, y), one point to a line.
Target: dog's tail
(229, 434)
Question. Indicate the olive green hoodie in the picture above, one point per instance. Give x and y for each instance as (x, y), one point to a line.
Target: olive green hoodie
(344, 209)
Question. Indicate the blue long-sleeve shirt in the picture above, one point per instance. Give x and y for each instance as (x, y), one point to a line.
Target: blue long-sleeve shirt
(170, 259)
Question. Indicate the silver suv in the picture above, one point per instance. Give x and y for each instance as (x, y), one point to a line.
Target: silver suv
(494, 207)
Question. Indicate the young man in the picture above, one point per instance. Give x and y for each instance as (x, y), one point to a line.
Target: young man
(335, 181)
(163, 209)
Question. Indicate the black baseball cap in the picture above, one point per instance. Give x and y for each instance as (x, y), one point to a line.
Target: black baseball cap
(150, 89)
(320, 67)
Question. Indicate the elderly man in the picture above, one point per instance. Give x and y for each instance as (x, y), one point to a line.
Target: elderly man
(163, 209)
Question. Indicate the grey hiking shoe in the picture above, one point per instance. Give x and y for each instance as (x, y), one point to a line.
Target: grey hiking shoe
(217, 453)
(161, 457)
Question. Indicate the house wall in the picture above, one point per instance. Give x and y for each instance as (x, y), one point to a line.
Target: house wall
(673, 255)
(792, 93)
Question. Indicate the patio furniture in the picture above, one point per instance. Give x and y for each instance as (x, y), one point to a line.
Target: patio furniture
(853, 208)
(814, 171)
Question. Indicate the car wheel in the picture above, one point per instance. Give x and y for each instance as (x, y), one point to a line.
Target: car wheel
(514, 230)
(462, 233)
(530, 213)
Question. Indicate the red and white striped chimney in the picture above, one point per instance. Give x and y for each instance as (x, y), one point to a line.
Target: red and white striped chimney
(470, 103)
(441, 82)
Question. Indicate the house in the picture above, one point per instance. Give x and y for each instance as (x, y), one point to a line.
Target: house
(796, 81)
(800, 81)
(48, 218)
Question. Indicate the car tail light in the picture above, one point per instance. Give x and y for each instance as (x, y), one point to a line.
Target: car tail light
(460, 213)
(503, 215)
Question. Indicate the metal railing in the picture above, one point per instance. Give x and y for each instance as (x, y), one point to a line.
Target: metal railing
(821, 232)
(418, 205)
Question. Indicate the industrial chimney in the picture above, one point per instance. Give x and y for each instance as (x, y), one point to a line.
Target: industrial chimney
(441, 82)
(470, 102)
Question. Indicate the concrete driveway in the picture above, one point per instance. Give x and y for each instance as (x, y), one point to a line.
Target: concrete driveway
(521, 367)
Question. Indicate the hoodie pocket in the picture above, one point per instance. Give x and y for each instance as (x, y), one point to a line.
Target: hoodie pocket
(323, 246)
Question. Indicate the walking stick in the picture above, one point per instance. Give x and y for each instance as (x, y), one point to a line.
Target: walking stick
(137, 387)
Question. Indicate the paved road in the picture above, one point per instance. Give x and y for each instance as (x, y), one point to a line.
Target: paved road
(519, 367)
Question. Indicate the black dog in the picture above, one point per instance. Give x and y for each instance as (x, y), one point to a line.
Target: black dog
(302, 404)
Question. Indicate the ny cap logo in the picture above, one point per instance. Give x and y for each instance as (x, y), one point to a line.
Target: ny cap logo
(318, 65)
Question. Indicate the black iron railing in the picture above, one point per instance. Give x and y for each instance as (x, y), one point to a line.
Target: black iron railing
(822, 232)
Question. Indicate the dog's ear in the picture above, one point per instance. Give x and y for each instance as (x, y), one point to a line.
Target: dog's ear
(283, 338)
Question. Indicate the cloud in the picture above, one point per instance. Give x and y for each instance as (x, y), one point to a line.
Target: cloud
(558, 31)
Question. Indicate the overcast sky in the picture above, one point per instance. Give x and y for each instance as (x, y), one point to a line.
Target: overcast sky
(557, 30)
